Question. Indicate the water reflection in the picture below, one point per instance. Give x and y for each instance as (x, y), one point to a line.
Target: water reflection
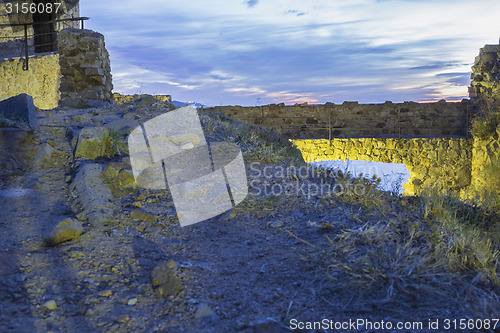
(393, 175)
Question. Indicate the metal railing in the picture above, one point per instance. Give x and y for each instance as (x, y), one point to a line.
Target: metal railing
(40, 42)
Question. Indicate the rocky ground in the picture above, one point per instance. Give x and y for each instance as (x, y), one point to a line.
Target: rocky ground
(120, 261)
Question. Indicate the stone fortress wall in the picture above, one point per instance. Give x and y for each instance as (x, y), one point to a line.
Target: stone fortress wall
(351, 119)
(77, 75)
(431, 139)
(121, 99)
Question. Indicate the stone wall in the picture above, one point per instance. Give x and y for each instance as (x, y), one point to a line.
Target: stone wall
(485, 87)
(85, 68)
(79, 76)
(41, 81)
(486, 153)
(351, 119)
(12, 38)
(68, 9)
(121, 99)
(443, 162)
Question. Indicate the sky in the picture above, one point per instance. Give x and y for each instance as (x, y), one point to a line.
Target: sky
(256, 52)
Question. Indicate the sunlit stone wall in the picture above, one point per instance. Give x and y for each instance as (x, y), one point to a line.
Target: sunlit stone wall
(41, 81)
(444, 163)
(486, 154)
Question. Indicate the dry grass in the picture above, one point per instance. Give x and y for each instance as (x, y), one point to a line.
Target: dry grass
(256, 143)
(410, 255)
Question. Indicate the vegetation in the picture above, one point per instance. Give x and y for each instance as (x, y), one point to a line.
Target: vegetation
(4, 122)
(257, 143)
(385, 250)
(487, 120)
(484, 127)
(120, 140)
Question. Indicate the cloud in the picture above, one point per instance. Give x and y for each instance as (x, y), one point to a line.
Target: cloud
(294, 12)
(364, 50)
(251, 3)
(217, 75)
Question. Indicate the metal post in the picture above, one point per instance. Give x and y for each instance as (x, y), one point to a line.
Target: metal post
(399, 123)
(467, 123)
(25, 65)
(330, 128)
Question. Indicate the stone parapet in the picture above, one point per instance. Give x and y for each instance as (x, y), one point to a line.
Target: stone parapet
(351, 119)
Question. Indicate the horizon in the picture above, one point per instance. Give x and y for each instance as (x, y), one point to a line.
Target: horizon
(257, 53)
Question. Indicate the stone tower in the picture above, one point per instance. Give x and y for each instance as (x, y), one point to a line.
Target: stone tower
(484, 91)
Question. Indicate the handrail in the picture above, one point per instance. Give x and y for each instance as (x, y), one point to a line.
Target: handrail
(46, 22)
(25, 25)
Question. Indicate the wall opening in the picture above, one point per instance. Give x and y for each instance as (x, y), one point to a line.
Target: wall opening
(45, 39)
(392, 175)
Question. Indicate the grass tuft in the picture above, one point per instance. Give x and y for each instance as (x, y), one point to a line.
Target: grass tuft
(257, 144)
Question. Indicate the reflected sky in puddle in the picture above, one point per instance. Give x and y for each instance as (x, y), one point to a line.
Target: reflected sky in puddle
(393, 175)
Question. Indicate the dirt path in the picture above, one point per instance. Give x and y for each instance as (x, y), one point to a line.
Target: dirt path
(239, 268)
(236, 269)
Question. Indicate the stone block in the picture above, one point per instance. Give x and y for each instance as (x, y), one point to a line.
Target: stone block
(19, 108)
(92, 71)
(93, 142)
(64, 231)
(491, 48)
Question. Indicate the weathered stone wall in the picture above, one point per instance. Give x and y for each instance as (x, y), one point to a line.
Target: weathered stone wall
(443, 162)
(68, 9)
(351, 119)
(41, 81)
(486, 152)
(485, 86)
(15, 18)
(79, 76)
(121, 99)
(85, 68)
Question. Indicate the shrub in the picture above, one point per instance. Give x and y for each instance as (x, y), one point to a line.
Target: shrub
(486, 127)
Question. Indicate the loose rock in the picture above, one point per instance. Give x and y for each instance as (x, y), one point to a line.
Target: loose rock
(66, 230)
(93, 142)
(165, 280)
(204, 311)
(143, 217)
(44, 156)
(50, 305)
